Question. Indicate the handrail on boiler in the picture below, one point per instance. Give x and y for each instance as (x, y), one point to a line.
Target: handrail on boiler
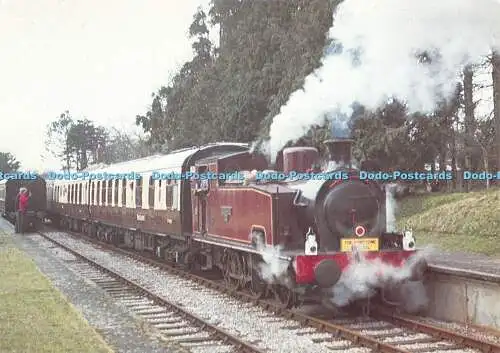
(296, 200)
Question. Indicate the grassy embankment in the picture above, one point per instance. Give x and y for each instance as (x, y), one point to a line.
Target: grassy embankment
(34, 316)
(456, 222)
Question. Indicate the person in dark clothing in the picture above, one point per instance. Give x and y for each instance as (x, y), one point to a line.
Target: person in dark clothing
(16, 208)
(22, 207)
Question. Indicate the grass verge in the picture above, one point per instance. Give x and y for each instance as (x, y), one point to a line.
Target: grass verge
(34, 316)
(456, 222)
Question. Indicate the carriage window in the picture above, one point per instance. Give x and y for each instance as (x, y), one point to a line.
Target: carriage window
(130, 192)
(151, 192)
(159, 193)
(124, 192)
(116, 181)
(138, 192)
(175, 194)
(103, 193)
(80, 194)
(98, 193)
(169, 196)
(110, 192)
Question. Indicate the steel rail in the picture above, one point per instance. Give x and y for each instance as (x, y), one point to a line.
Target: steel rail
(322, 325)
(437, 332)
(219, 333)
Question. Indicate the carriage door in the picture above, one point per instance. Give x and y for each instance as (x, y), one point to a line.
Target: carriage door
(202, 188)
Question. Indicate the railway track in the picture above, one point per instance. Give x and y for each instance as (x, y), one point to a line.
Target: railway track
(173, 323)
(382, 332)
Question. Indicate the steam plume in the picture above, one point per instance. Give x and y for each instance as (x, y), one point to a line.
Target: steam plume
(375, 56)
(272, 269)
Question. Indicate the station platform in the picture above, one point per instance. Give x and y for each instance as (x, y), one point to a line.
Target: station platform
(469, 265)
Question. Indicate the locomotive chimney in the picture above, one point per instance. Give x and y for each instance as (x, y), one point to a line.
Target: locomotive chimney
(340, 151)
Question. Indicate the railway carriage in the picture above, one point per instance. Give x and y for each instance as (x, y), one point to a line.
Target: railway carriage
(140, 210)
(37, 205)
(312, 227)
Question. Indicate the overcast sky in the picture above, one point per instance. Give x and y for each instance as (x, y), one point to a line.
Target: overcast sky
(98, 59)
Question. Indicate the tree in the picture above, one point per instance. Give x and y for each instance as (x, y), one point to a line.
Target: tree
(8, 162)
(178, 111)
(57, 141)
(469, 107)
(484, 136)
(86, 141)
(122, 147)
(231, 92)
(78, 143)
(495, 60)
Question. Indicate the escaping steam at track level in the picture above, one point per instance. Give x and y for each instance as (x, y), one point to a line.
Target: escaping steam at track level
(375, 56)
(362, 278)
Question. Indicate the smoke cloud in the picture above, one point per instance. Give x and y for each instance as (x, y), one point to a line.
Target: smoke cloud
(375, 56)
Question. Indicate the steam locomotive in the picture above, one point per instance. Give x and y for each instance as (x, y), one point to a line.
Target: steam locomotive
(292, 238)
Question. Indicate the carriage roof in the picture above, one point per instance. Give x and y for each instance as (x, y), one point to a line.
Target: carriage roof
(172, 162)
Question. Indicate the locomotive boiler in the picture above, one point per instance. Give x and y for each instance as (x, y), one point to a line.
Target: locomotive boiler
(336, 201)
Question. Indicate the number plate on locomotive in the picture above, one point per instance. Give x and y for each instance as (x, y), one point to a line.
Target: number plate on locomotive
(365, 244)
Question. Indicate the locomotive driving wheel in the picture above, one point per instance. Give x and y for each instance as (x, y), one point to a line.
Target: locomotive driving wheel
(256, 286)
(284, 296)
(233, 271)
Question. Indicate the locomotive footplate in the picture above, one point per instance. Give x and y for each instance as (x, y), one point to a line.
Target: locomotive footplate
(362, 244)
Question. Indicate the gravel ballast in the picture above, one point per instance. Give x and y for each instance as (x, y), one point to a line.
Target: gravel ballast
(120, 330)
(250, 323)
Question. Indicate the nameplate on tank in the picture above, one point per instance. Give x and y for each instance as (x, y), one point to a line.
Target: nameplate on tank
(362, 244)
